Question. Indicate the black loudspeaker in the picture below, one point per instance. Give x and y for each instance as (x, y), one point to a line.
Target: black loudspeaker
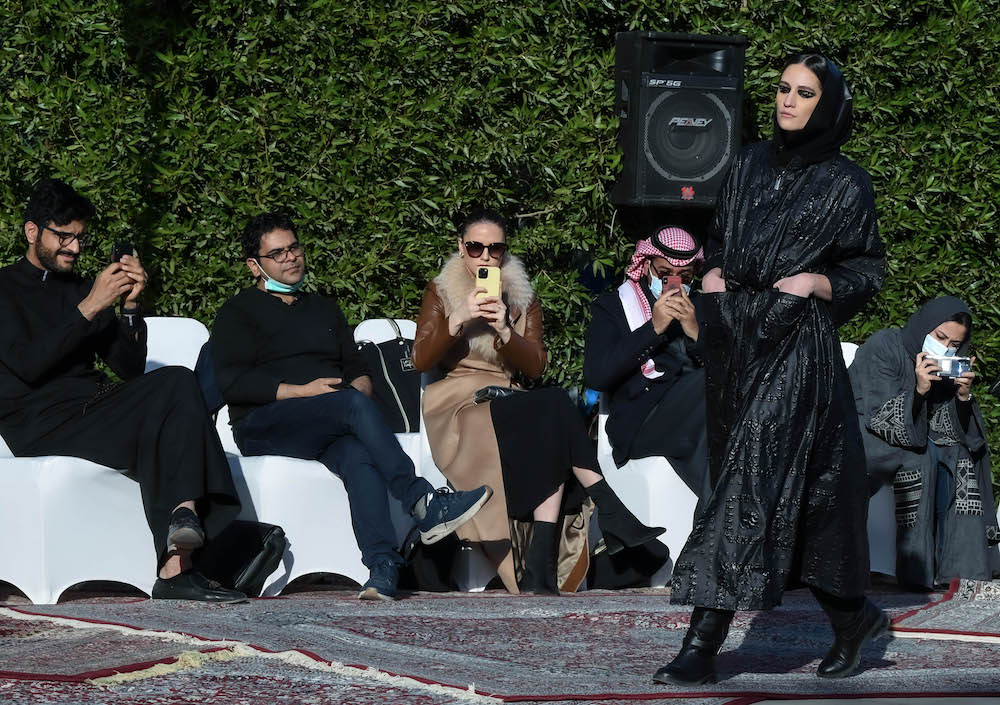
(679, 98)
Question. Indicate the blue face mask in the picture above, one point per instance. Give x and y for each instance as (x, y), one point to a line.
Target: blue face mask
(656, 286)
(276, 287)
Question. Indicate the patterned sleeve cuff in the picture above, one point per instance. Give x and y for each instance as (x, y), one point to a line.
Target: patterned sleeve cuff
(889, 422)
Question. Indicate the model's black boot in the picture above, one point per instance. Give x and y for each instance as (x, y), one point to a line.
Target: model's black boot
(695, 663)
(619, 526)
(540, 569)
(854, 622)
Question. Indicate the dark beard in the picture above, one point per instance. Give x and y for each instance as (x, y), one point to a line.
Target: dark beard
(48, 259)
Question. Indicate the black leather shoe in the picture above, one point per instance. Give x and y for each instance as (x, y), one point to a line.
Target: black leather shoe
(619, 526)
(192, 585)
(185, 532)
(850, 632)
(695, 663)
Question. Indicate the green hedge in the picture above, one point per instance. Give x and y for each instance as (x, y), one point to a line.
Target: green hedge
(376, 123)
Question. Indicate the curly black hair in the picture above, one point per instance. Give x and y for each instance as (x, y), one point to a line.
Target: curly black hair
(258, 227)
(55, 201)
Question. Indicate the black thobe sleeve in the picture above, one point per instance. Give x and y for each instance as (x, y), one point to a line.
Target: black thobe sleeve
(612, 353)
(123, 343)
(696, 348)
(857, 269)
(352, 363)
(234, 349)
(32, 353)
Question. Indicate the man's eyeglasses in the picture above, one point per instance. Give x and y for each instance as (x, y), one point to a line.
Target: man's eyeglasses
(475, 249)
(283, 254)
(66, 238)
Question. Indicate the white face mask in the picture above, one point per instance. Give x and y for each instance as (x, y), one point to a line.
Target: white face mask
(933, 346)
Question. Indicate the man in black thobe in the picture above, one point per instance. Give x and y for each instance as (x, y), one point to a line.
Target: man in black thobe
(53, 401)
(643, 351)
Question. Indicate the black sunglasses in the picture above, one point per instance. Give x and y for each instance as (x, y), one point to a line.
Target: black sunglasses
(475, 249)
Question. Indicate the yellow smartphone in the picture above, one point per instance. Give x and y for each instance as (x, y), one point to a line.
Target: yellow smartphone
(488, 278)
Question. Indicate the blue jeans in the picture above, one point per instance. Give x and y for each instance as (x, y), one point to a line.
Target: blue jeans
(345, 431)
(944, 488)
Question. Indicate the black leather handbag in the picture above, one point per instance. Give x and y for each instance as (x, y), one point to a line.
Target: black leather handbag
(243, 555)
(395, 381)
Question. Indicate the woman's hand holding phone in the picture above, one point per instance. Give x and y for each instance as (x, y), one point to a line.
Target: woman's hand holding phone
(964, 382)
(469, 309)
(494, 312)
(925, 370)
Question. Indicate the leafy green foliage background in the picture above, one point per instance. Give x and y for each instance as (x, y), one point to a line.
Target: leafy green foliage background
(376, 123)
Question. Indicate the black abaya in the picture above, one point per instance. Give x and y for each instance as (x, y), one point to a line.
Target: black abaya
(790, 490)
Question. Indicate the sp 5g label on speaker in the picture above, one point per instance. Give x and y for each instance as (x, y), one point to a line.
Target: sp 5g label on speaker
(663, 83)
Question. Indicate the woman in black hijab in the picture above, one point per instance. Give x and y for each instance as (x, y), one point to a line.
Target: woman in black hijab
(793, 252)
(925, 434)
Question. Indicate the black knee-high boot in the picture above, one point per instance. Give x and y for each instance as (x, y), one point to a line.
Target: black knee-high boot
(618, 525)
(695, 662)
(540, 569)
(854, 621)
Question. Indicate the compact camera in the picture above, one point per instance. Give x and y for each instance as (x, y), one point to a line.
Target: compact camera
(951, 367)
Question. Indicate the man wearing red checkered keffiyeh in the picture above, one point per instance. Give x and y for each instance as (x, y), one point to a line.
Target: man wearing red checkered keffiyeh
(643, 355)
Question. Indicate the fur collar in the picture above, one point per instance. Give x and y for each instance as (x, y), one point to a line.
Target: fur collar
(454, 284)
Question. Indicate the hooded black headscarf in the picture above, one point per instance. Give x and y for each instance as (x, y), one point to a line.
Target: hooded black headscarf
(930, 316)
(829, 126)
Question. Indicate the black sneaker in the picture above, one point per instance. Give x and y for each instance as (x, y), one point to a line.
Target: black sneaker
(448, 510)
(185, 532)
(192, 585)
(382, 583)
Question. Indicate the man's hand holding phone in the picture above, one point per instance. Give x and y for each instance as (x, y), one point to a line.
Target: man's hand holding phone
(132, 267)
(674, 304)
(110, 285)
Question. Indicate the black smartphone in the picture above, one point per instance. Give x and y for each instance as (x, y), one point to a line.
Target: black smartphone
(121, 249)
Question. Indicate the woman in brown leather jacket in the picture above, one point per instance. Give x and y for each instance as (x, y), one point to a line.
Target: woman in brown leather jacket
(531, 447)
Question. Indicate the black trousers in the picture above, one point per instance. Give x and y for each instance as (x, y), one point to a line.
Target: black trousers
(676, 429)
(155, 428)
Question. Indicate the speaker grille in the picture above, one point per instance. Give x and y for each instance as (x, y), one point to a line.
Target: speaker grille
(688, 135)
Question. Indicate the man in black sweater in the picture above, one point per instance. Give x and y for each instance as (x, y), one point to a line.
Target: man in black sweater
(53, 326)
(296, 385)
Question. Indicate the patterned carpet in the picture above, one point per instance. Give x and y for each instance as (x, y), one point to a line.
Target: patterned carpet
(598, 647)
